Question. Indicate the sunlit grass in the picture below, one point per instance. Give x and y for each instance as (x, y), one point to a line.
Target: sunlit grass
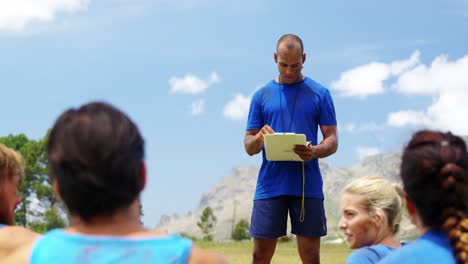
(286, 252)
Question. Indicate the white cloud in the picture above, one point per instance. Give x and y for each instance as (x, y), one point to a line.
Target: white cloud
(363, 127)
(441, 76)
(16, 14)
(363, 152)
(408, 117)
(447, 83)
(368, 79)
(350, 127)
(191, 84)
(198, 107)
(238, 108)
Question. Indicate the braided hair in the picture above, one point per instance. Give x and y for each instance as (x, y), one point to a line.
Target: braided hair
(434, 171)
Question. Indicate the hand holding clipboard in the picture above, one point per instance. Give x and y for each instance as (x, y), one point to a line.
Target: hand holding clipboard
(280, 146)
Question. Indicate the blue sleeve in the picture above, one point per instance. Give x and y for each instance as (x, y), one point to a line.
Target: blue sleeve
(327, 111)
(358, 257)
(255, 118)
(364, 255)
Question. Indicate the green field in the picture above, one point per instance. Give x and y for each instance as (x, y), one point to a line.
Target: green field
(286, 252)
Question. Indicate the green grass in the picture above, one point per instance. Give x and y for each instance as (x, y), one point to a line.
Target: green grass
(286, 252)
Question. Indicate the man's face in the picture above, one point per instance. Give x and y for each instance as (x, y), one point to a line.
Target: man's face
(289, 65)
(9, 198)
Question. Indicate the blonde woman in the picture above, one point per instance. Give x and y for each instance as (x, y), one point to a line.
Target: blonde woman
(11, 171)
(371, 214)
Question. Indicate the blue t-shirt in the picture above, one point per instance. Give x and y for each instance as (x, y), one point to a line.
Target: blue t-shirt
(60, 247)
(432, 247)
(2, 225)
(368, 255)
(302, 108)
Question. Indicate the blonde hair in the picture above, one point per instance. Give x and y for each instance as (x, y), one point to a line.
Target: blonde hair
(11, 162)
(382, 198)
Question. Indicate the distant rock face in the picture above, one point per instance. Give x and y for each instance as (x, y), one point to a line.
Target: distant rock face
(231, 199)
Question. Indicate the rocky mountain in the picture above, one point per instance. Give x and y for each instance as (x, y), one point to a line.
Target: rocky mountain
(231, 199)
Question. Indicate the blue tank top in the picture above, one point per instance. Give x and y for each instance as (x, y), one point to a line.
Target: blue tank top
(58, 246)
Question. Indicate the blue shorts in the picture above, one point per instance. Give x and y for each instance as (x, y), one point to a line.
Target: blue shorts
(269, 217)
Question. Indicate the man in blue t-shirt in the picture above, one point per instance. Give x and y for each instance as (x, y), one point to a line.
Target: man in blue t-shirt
(292, 103)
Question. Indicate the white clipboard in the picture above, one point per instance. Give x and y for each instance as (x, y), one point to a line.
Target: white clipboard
(279, 146)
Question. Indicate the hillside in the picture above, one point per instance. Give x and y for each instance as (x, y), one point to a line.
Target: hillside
(231, 198)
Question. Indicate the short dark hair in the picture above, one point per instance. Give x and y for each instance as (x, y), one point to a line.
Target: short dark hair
(434, 170)
(95, 154)
(289, 37)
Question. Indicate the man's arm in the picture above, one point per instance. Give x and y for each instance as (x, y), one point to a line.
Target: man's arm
(328, 146)
(253, 141)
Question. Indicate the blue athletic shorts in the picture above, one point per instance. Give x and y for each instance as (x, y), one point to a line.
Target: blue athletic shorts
(269, 217)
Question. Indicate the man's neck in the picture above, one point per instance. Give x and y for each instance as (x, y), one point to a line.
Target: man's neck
(300, 78)
(119, 224)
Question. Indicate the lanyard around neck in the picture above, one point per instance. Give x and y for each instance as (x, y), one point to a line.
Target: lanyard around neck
(281, 107)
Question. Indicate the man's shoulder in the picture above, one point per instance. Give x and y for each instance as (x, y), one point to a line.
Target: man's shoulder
(265, 89)
(266, 86)
(315, 86)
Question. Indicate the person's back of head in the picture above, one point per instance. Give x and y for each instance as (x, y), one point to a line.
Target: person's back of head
(383, 200)
(95, 156)
(11, 170)
(434, 171)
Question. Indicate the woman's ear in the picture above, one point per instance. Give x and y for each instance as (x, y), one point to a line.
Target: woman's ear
(380, 219)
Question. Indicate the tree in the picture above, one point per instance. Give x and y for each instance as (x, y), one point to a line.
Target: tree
(141, 211)
(51, 220)
(36, 182)
(207, 223)
(241, 230)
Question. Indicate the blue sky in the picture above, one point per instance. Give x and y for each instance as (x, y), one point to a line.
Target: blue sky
(185, 70)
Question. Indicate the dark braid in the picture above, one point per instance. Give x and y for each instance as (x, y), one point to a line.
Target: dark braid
(434, 171)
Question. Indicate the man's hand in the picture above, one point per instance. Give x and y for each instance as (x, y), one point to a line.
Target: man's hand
(306, 153)
(328, 146)
(266, 129)
(254, 139)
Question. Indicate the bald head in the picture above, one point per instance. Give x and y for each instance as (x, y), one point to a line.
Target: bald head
(289, 42)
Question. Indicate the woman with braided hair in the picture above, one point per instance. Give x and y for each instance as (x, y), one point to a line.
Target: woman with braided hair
(434, 171)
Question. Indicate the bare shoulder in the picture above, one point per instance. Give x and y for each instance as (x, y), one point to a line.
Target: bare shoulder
(14, 237)
(201, 256)
(21, 254)
(17, 232)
